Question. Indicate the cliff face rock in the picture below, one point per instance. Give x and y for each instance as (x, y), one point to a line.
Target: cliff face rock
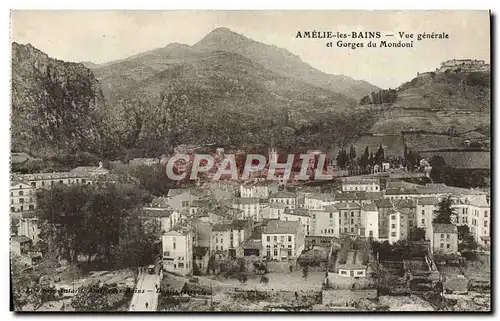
(55, 104)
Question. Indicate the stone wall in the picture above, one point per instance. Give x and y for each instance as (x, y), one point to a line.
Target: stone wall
(341, 297)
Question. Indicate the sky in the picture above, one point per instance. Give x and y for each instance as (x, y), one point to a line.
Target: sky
(103, 36)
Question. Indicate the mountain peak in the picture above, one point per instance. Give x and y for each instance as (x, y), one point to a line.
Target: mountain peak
(221, 37)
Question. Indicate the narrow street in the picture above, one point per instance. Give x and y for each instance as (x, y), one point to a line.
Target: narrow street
(145, 297)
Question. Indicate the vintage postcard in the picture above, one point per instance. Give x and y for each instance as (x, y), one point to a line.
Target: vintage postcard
(235, 161)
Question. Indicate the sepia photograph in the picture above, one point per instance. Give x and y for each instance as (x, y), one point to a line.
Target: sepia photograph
(250, 161)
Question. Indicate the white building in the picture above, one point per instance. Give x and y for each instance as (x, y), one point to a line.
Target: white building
(249, 208)
(394, 226)
(178, 252)
(275, 211)
(286, 198)
(318, 201)
(22, 197)
(29, 227)
(230, 236)
(361, 184)
(298, 214)
(166, 218)
(425, 208)
(369, 221)
(325, 222)
(283, 240)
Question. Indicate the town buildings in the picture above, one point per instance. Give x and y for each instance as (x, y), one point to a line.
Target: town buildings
(283, 240)
(178, 252)
(444, 238)
(361, 184)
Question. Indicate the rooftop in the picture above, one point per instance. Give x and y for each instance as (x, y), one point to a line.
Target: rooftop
(444, 228)
(427, 201)
(297, 211)
(247, 200)
(357, 180)
(20, 239)
(283, 194)
(369, 207)
(347, 206)
(234, 225)
(384, 203)
(281, 227)
(155, 212)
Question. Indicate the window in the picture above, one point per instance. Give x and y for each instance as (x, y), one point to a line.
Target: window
(166, 253)
(442, 236)
(393, 217)
(345, 229)
(423, 212)
(393, 226)
(343, 272)
(352, 229)
(275, 238)
(359, 272)
(21, 200)
(282, 239)
(485, 213)
(441, 245)
(352, 214)
(275, 252)
(174, 244)
(447, 236)
(352, 221)
(21, 193)
(371, 233)
(331, 215)
(485, 223)
(393, 234)
(448, 246)
(423, 221)
(11, 201)
(268, 238)
(289, 238)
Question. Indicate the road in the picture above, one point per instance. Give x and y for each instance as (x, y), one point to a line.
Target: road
(145, 292)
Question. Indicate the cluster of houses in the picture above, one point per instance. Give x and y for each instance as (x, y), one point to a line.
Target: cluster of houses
(23, 203)
(259, 220)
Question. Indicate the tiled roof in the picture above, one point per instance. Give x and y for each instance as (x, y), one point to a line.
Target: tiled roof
(384, 203)
(281, 227)
(369, 207)
(297, 211)
(246, 200)
(427, 201)
(234, 225)
(155, 212)
(444, 228)
(345, 206)
(173, 233)
(283, 194)
(277, 205)
(360, 181)
(351, 266)
(20, 239)
(403, 203)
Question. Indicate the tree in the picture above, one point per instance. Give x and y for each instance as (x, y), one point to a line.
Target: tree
(85, 219)
(466, 240)
(444, 211)
(352, 153)
(418, 234)
(365, 159)
(379, 155)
